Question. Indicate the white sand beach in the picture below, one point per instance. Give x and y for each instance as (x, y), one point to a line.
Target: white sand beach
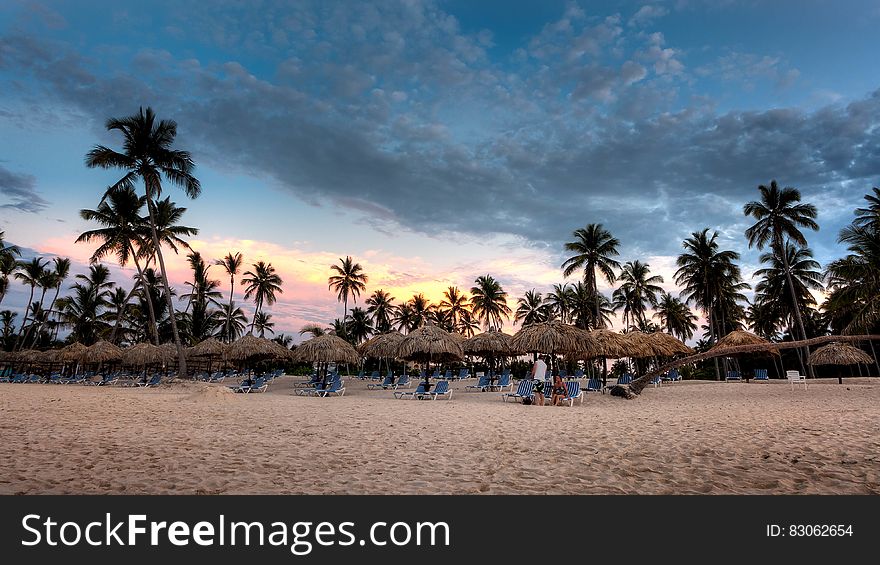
(687, 437)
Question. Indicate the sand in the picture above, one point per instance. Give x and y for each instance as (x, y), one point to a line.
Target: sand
(687, 437)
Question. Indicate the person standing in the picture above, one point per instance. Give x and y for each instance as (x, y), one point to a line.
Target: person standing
(539, 369)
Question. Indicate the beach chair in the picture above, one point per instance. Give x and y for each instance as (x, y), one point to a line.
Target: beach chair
(594, 385)
(402, 382)
(656, 381)
(319, 387)
(761, 375)
(672, 376)
(109, 380)
(563, 373)
(336, 388)
(151, 383)
(525, 389)
(441, 390)
(795, 377)
(447, 375)
(464, 373)
(314, 381)
(388, 382)
(374, 376)
(579, 374)
(733, 376)
(504, 382)
(420, 390)
(481, 385)
(573, 392)
(624, 379)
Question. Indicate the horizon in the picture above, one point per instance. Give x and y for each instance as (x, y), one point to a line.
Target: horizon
(435, 142)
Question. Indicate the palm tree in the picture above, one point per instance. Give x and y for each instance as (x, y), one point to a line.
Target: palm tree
(675, 316)
(381, 307)
(530, 308)
(638, 291)
(854, 284)
(779, 218)
(262, 283)
(8, 253)
(263, 324)
(313, 330)
(593, 249)
(349, 281)
(560, 302)
(29, 273)
(489, 302)
(124, 235)
(868, 217)
(284, 340)
(358, 326)
(798, 268)
(83, 311)
(405, 318)
(232, 265)
(62, 271)
(231, 321)
(468, 325)
(421, 309)
(455, 303)
(7, 318)
(148, 155)
(120, 309)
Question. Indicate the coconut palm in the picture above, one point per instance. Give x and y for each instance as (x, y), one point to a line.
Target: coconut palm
(263, 323)
(594, 248)
(489, 302)
(421, 309)
(798, 268)
(779, 217)
(262, 283)
(530, 308)
(7, 319)
(381, 308)
(283, 340)
(638, 290)
(123, 234)
(120, 309)
(62, 271)
(675, 317)
(560, 302)
(405, 319)
(468, 325)
(29, 273)
(456, 304)
(853, 302)
(148, 155)
(232, 265)
(349, 281)
(84, 310)
(8, 264)
(867, 217)
(358, 325)
(231, 322)
(314, 330)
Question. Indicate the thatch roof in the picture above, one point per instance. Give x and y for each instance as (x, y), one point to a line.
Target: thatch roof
(208, 348)
(839, 354)
(144, 354)
(491, 343)
(251, 347)
(382, 345)
(554, 337)
(609, 343)
(670, 345)
(27, 356)
(47, 356)
(638, 344)
(101, 352)
(327, 348)
(430, 343)
(72, 352)
(169, 351)
(739, 338)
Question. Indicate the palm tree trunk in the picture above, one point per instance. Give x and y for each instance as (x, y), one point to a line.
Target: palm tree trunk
(256, 312)
(39, 327)
(597, 323)
(154, 329)
(714, 341)
(181, 356)
(794, 303)
(27, 309)
(229, 312)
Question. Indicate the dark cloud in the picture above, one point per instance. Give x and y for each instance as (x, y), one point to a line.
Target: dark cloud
(20, 191)
(393, 110)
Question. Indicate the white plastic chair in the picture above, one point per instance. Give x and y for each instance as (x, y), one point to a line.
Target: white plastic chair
(796, 377)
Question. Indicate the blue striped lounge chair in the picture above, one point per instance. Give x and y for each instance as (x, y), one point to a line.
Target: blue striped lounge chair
(389, 381)
(656, 381)
(402, 382)
(152, 382)
(526, 388)
(399, 394)
(315, 390)
(573, 392)
(464, 373)
(436, 374)
(672, 376)
(625, 379)
(594, 385)
(733, 376)
(336, 388)
(579, 374)
(314, 381)
(447, 375)
(761, 375)
(563, 373)
(504, 382)
(441, 390)
(481, 385)
(375, 376)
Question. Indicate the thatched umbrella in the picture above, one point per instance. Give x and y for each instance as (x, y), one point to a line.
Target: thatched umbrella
(208, 348)
(490, 344)
(639, 345)
(101, 352)
(72, 352)
(143, 354)
(430, 343)
(325, 349)
(250, 347)
(555, 338)
(738, 338)
(382, 346)
(670, 344)
(837, 353)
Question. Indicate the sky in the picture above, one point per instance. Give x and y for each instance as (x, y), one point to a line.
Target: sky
(437, 141)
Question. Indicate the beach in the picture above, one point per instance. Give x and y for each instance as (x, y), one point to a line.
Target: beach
(691, 437)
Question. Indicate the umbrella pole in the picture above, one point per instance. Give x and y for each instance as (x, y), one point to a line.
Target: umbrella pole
(874, 353)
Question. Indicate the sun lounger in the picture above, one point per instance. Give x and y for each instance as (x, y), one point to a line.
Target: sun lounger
(311, 383)
(624, 379)
(733, 376)
(481, 385)
(594, 385)
(761, 375)
(573, 392)
(152, 382)
(464, 373)
(656, 381)
(504, 382)
(336, 388)
(400, 394)
(441, 389)
(525, 389)
(387, 383)
(402, 382)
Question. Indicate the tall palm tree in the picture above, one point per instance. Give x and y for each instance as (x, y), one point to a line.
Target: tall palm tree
(530, 308)
(148, 155)
(231, 322)
(84, 310)
(8, 264)
(62, 271)
(262, 283)
(381, 307)
(455, 303)
(489, 302)
(867, 217)
(263, 323)
(7, 319)
(798, 268)
(675, 316)
(313, 330)
(405, 318)
(421, 309)
(232, 265)
(638, 290)
(779, 217)
(29, 273)
(358, 325)
(854, 282)
(123, 234)
(594, 248)
(468, 325)
(349, 281)
(560, 301)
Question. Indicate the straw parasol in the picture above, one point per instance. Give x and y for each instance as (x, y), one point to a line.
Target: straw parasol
(490, 344)
(208, 348)
(382, 345)
(741, 337)
(27, 356)
(143, 354)
(48, 356)
(251, 347)
(101, 352)
(554, 337)
(430, 343)
(72, 352)
(836, 353)
(327, 348)
(671, 344)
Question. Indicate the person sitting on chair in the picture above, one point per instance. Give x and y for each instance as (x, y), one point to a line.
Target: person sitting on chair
(558, 391)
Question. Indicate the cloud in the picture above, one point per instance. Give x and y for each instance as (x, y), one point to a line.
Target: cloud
(21, 190)
(647, 14)
(750, 70)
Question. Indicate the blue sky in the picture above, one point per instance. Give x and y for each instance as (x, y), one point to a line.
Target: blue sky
(436, 140)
